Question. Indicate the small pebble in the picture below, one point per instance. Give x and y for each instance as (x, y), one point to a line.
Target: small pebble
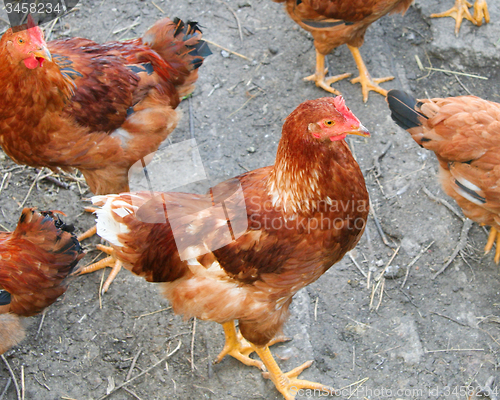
(273, 50)
(224, 53)
(394, 272)
(251, 149)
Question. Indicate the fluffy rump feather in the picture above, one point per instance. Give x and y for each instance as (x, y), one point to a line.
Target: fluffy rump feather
(11, 331)
(36, 260)
(463, 132)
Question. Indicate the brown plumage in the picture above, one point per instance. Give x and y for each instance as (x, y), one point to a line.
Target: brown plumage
(337, 22)
(35, 262)
(11, 332)
(96, 107)
(463, 132)
(289, 223)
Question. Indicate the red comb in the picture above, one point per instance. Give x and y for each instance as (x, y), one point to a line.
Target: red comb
(34, 30)
(340, 104)
(31, 22)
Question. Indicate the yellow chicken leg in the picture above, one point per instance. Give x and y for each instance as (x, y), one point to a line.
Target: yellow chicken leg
(110, 261)
(367, 82)
(494, 234)
(89, 233)
(461, 11)
(287, 383)
(480, 12)
(236, 346)
(92, 231)
(319, 76)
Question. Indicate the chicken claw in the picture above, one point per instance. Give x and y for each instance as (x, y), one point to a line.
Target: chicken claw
(319, 76)
(110, 261)
(461, 11)
(287, 383)
(92, 231)
(480, 12)
(494, 234)
(87, 234)
(238, 347)
(367, 82)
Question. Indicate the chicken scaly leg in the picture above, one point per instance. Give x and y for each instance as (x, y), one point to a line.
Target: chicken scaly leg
(367, 82)
(110, 261)
(238, 347)
(461, 11)
(480, 12)
(286, 382)
(87, 234)
(494, 234)
(319, 76)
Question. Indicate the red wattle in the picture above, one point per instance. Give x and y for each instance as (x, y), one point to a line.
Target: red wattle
(31, 62)
(340, 137)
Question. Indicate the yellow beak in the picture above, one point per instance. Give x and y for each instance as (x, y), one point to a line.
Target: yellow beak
(43, 52)
(359, 131)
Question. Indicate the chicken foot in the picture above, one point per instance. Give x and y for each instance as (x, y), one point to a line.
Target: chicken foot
(494, 234)
(110, 261)
(319, 76)
(286, 382)
(92, 231)
(238, 347)
(480, 12)
(461, 11)
(368, 83)
(88, 233)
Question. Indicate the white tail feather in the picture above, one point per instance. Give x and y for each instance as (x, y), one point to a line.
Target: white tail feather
(107, 226)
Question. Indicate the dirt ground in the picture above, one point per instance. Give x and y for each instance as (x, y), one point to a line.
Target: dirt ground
(429, 337)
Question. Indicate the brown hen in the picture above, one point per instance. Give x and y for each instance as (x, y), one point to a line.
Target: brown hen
(463, 132)
(35, 262)
(337, 22)
(96, 107)
(242, 252)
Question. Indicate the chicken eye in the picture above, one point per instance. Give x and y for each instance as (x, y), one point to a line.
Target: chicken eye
(20, 40)
(329, 122)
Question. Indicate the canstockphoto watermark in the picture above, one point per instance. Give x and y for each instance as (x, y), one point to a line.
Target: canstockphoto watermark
(325, 206)
(396, 393)
(305, 225)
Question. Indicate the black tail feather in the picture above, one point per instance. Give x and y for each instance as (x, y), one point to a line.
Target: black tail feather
(4, 297)
(200, 50)
(404, 109)
(74, 245)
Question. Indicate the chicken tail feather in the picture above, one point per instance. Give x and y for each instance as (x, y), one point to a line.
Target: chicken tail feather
(199, 48)
(50, 253)
(182, 46)
(405, 110)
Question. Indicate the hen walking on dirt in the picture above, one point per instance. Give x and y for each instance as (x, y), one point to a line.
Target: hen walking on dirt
(463, 132)
(293, 221)
(35, 262)
(336, 22)
(97, 107)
